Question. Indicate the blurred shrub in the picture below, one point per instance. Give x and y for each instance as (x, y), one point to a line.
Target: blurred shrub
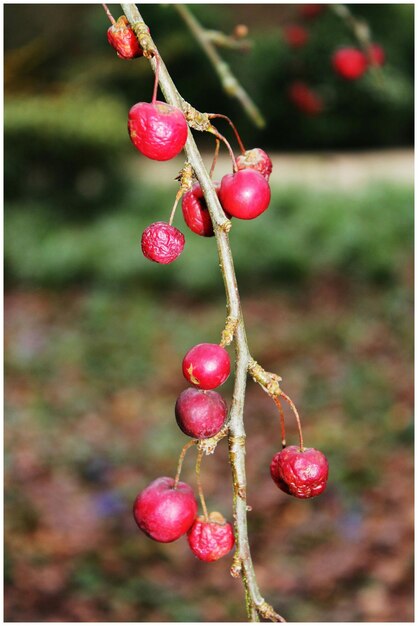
(367, 234)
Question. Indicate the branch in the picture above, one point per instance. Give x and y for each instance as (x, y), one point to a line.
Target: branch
(242, 564)
(229, 82)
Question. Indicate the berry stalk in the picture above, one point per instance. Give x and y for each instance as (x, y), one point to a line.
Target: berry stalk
(108, 13)
(186, 446)
(199, 485)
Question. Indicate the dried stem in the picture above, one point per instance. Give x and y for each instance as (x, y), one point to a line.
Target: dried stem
(108, 13)
(217, 134)
(295, 411)
(215, 158)
(199, 485)
(188, 445)
(229, 82)
(282, 424)
(234, 128)
(256, 605)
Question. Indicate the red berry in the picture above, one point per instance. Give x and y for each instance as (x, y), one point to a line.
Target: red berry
(245, 194)
(123, 39)
(256, 159)
(310, 11)
(295, 36)
(349, 63)
(211, 540)
(200, 414)
(165, 513)
(305, 99)
(195, 211)
(300, 474)
(162, 243)
(206, 365)
(376, 54)
(157, 130)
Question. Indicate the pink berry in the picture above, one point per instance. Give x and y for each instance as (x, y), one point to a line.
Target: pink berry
(349, 63)
(296, 36)
(123, 39)
(256, 159)
(300, 474)
(245, 194)
(376, 54)
(157, 130)
(206, 365)
(162, 243)
(305, 99)
(200, 414)
(195, 211)
(211, 540)
(164, 513)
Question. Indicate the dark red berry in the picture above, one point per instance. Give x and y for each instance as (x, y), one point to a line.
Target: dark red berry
(123, 39)
(164, 513)
(245, 194)
(376, 54)
(349, 63)
(256, 159)
(162, 243)
(300, 474)
(296, 36)
(195, 211)
(157, 130)
(305, 99)
(206, 365)
(211, 540)
(200, 414)
(310, 11)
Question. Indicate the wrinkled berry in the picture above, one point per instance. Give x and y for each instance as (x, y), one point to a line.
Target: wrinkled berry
(157, 130)
(245, 194)
(200, 414)
(123, 39)
(349, 63)
(195, 211)
(211, 540)
(206, 365)
(300, 474)
(164, 513)
(256, 159)
(162, 243)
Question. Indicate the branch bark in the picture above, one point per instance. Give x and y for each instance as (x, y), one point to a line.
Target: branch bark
(242, 562)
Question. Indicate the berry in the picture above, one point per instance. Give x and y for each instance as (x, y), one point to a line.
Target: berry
(256, 159)
(310, 11)
(349, 63)
(206, 365)
(164, 513)
(302, 474)
(245, 194)
(295, 36)
(200, 414)
(211, 540)
(123, 39)
(305, 99)
(376, 54)
(162, 243)
(195, 211)
(157, 130)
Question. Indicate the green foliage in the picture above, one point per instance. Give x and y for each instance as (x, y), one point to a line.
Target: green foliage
(367, 234)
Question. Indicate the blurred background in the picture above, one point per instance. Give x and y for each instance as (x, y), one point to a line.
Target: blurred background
(95, 334)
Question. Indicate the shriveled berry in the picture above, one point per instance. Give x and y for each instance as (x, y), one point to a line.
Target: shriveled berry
(195, 211)
(305, 99)
(302, 474)
(162, 243)
(376, 54)
(164, 513)
(256, 159)
(123, 39)
(200, 414)
(211, 540)
(296, 36)
(349, 63)
(157, 130)
(245, 194)
(206, 365)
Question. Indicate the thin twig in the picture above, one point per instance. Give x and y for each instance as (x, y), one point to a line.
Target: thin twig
(229, 82)
(256, 605)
